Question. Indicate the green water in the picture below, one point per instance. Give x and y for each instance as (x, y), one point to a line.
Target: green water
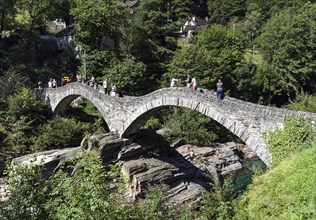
(244, 177)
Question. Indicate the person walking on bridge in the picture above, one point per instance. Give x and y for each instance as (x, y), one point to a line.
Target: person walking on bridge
(189, 80)
(105, 86)
(219, 90)
(173, 82)
(114, 89)
(194, 83)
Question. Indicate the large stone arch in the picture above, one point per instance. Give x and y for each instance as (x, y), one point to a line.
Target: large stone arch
(253, 138)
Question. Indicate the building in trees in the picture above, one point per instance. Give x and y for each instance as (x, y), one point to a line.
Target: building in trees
(192, 25)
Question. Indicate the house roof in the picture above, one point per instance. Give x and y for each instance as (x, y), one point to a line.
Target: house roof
(128, 3)
(68, 31)
(194, 24)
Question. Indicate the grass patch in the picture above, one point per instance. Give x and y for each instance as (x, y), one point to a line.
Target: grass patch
(285, 192)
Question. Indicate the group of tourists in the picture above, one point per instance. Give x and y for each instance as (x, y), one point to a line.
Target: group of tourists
(113, 91)
(52, 83)
(191, 83)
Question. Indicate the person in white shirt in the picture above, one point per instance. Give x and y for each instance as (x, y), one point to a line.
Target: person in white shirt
(173, 82)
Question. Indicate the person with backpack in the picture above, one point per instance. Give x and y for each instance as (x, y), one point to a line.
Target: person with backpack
(189, 80)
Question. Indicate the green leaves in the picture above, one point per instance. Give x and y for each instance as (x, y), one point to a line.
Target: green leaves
(303, 102)
(296, 136)
(127, 75)
(288, 43)
(26, 104)
(191, 126)
(60, 133)
(214, 53)
(82, 196)
(96, 20)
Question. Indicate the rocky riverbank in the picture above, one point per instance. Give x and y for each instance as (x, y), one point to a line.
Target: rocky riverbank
(147, 159)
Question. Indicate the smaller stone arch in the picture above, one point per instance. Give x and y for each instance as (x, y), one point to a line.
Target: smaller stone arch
(61, 98)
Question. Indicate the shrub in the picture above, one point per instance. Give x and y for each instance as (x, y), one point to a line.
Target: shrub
(217, 204)
(296, 135)
(60, 133)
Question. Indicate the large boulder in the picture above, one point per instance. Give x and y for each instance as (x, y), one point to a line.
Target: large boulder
(51, 159)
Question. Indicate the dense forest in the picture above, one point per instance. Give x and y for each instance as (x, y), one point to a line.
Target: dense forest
(264, 52)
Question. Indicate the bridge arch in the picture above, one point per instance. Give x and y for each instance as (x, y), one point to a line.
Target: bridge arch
(234, 124)
(67, 94)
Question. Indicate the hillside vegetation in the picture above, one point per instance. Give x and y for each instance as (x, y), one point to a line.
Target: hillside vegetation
(264, 52)
(285, 192)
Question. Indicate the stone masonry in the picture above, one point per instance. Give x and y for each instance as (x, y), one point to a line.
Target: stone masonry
(127, 114)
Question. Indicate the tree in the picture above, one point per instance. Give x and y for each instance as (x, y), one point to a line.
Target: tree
(10, 83)
(97, 62)
(24, 103)
(6, 9)
(303, 102)
(86, 194)
(221, 11)
(288, 44)
(269, 8)
(52, 135)
(96, 21)
(61, 9)
(32, 13)
(154, 43)
(252, 24)
(179, 9)
(215, 53)
(25, 113)
(127, 75)
(27, 193)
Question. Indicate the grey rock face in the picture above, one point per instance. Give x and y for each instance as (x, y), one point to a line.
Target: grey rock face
(147, 159)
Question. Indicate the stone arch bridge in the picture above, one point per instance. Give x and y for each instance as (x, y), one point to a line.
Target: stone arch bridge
(127, 114)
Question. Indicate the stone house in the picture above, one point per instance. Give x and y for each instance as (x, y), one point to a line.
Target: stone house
(65, 36)
(191, 26)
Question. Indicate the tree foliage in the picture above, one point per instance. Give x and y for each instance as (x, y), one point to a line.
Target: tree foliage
(28, 192)
(195, 128)
(60, 133)
(6, 11)
(84, 195)
(32, 13)
(24, 103)
(155, 42)
(215, 53)
(96, 20)
(127, 75)
(303, 102)
(288, 44)
(221, 11)
(218, 204)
